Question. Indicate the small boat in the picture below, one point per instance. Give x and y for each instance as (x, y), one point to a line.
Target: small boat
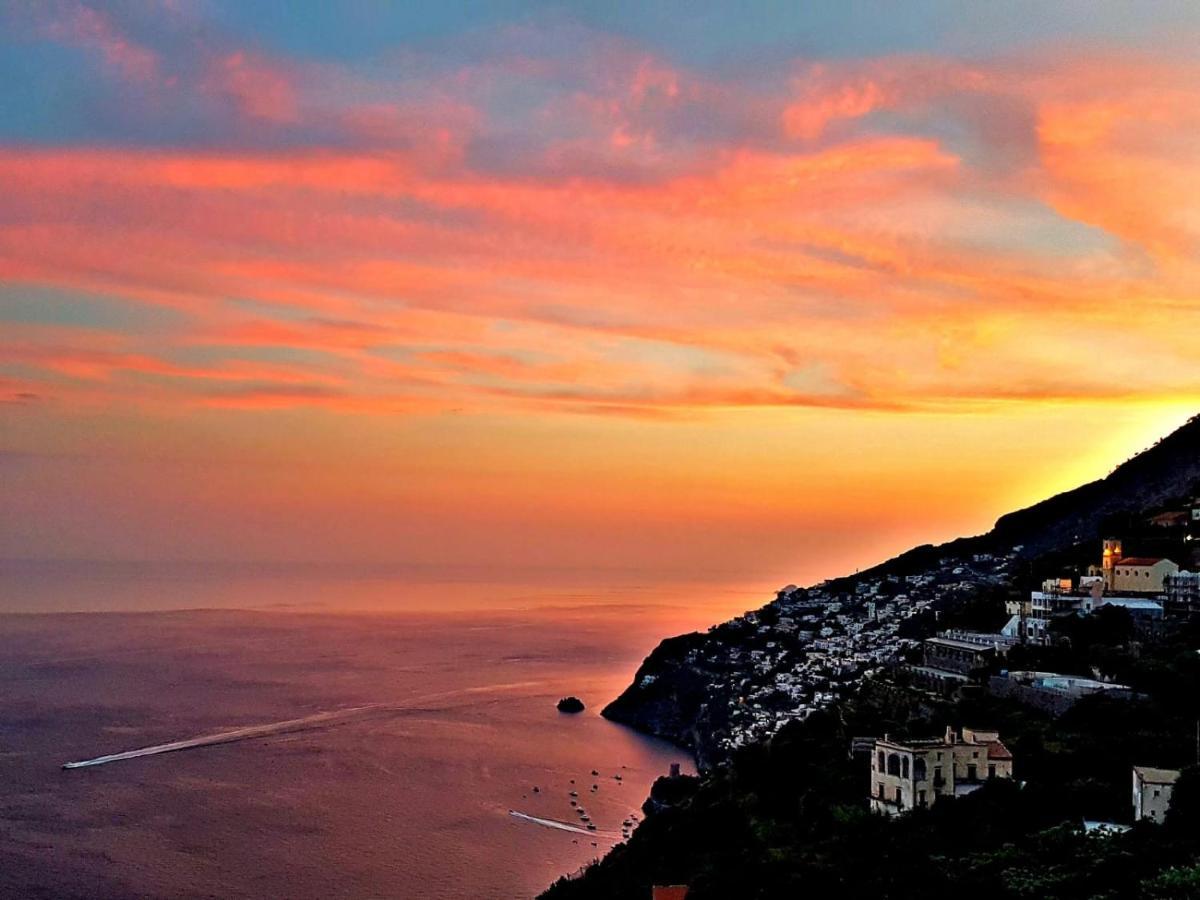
(574, 793)
(591, 827)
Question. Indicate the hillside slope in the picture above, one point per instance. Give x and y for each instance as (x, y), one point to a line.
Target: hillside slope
(713, 692)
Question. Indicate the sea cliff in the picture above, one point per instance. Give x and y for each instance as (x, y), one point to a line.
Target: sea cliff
(771, 702)
(744, 679)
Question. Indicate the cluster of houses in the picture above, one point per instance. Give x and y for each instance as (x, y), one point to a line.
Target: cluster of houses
(820, 643)
(816, 645)
(916, 773)
(956, 658)
(913, 774)
(814, 650)
(812, 646)
(1138, 584)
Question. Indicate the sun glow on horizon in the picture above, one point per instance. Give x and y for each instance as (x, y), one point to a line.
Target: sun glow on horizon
(551, 291)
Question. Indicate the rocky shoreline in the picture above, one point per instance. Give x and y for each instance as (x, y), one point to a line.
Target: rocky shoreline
(743, 681)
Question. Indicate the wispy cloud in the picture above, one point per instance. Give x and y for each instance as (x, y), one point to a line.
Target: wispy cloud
(597, 228)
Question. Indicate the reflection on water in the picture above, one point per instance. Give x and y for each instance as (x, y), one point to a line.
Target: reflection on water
(414, 803)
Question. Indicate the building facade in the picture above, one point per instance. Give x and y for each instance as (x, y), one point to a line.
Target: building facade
(955, 655)
(1028, 629)
(1142, 574)
(1182, 593)
(1152, 789)
(914, 774)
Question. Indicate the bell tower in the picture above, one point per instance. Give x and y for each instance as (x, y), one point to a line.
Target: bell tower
(1109, 559)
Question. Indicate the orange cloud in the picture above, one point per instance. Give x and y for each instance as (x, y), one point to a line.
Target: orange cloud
(808, 117)
(846, 267)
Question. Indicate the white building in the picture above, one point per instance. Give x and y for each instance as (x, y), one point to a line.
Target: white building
(1152, 790)
(1027, 629)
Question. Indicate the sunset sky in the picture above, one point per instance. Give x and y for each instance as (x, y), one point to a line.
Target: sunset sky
(773, 289)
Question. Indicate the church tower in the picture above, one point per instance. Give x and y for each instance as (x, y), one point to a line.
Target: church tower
(1108, 561)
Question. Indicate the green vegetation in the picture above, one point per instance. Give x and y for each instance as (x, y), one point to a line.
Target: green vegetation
(789, 817)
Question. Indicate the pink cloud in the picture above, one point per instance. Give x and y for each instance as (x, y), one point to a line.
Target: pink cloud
(256, 87)
(85, 26)
(895, 265)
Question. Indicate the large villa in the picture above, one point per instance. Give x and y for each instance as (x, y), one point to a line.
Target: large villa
(916, 773)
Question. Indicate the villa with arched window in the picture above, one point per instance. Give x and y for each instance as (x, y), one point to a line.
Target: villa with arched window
(912, 774)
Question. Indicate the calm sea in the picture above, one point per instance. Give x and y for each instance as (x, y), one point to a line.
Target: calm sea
(453, 682)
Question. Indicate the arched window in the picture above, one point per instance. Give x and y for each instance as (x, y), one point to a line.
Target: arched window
(893, 764)
(904, 767)
(880, 766)
(919, 769)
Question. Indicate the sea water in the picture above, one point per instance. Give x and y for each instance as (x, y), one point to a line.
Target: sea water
(421, 731)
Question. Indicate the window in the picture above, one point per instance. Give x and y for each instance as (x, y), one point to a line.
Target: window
(972, 773)
(904, 768)
(921, 798)
(893, 767)
(881, 766)
(1156, 793)
(879, 791)
(991, 771)
(899, 799)
(937, 774)
(919, 769)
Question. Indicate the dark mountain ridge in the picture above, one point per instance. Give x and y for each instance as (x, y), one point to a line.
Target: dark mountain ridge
(1168, 470)
(678, 694)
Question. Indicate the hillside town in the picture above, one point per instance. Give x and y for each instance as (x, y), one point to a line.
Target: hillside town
(804, 650)
(810, 647)
(1022, 704)
(814, 645)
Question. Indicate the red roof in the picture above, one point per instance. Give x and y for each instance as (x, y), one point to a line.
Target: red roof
(997, 750)
(1140, 561)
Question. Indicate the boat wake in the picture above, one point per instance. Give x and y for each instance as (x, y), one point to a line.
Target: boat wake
(305, 723)
(227, 737)
(562, 826)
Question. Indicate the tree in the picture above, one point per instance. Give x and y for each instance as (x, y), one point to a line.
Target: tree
(1183, 818)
